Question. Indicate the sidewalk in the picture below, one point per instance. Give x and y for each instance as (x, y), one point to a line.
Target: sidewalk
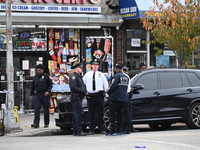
(26, 120)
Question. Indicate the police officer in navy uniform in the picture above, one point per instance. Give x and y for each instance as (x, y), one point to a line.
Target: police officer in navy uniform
(97, 85)
(117, 97)
(41, 88)
(127, 122)
(78, 91)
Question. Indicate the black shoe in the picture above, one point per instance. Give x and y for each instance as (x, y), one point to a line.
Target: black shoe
(82, 134)
(91, 133)
(134, 130)
(46, 126)
(102, 132)
(126, 132)
(74, 134)
(34, 126)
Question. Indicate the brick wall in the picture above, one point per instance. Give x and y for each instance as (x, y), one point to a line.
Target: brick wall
(119, 47)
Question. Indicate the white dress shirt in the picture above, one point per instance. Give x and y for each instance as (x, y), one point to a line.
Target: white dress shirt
(129, 83)
(100, 81)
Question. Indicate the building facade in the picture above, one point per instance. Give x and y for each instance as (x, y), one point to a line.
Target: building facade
(57, 33)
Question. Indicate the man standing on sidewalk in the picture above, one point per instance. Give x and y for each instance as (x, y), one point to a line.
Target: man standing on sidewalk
(117, 97)
(78, 91)
(40, 92)
(97, 85)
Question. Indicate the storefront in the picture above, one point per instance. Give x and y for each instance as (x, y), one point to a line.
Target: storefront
(135, 49)
(57, 34)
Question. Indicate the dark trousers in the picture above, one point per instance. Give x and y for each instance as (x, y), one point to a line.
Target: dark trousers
(77, 115)
(116, 114)
(44, 101)
(127, 125)
(96, 104)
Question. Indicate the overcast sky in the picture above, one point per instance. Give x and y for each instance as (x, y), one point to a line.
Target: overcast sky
(146, 4)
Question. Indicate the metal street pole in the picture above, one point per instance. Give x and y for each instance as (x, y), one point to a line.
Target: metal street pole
(11, 123)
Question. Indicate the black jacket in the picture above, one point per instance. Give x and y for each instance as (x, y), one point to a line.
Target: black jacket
(41, 84)
(76, 84)
(118, 88)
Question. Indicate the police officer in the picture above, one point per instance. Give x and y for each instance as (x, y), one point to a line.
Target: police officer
(97, 85)
(41, 88)
(117, 97)
(127, 123)
(78, 91)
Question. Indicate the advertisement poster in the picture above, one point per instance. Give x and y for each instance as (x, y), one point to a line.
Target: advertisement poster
(100, 48)
(162, 60)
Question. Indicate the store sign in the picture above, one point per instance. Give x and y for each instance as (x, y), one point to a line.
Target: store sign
(135, 42)
(42, 8)
(23, 35)
(38, 44)
(57, 1)
(23, 44)
(128, 9)
(169, 53)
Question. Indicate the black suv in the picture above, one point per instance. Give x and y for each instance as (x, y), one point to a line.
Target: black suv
(160, 98)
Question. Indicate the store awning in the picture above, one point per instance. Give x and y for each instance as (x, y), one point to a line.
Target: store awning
(130, 9)
(60, 19)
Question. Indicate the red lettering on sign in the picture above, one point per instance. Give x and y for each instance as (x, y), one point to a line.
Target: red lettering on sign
(5, 0)
(25, 1)
(47, 1)
(20, 44)
(56, 1)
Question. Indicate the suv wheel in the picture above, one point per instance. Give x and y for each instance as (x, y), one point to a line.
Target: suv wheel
(193, 121)
(157, 127)
(106, 119)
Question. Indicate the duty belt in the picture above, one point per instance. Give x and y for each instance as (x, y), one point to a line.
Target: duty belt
(94, 94)
(100, 93)
(39, 93)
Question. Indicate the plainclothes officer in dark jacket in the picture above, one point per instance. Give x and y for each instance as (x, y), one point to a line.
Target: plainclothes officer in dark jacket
(117, 97)
(78, 91)
(127, 122)
(97, 85)
(41, 89)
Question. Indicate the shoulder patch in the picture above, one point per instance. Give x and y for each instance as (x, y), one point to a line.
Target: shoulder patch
(73, 77)
(113, 80)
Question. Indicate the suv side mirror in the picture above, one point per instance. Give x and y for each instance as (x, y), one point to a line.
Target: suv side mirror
(138, 87)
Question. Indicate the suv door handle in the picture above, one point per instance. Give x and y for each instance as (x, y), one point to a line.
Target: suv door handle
(189, 90)
(156, 93)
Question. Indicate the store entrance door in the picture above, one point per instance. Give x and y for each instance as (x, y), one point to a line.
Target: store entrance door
(22, 78)
(135, 59)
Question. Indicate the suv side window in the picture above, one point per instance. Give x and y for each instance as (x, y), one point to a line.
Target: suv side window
(194, 80)
(185, 81)
(149, 81)
(170, 80)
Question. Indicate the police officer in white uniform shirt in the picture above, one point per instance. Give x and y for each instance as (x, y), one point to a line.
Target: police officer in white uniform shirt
(96, 84)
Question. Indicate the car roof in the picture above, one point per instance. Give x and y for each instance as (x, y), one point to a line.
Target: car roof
(168, 70)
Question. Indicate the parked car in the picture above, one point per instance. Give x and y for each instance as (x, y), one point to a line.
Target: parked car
(161, 97)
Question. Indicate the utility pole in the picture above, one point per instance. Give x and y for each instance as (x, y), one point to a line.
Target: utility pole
(11, 123)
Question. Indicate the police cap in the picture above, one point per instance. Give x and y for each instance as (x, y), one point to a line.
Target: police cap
(79, 65)
(95, 62)
(119, 66)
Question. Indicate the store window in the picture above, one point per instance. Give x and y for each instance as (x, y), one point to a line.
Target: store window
(25, 39)
(135, 38)
(63, 47)
(100, 48)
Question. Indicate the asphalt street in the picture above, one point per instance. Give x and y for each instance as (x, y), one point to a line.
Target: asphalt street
(178, 137)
